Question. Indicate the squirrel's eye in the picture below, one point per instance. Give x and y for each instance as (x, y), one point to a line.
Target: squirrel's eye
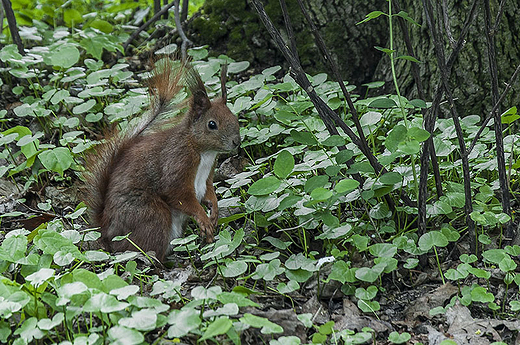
(212, 125)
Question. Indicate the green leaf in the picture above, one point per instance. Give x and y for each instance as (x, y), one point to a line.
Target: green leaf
(58, 159)
(141, 320)
(346, 185)
(367, 294)
(264, 186)
(233, 268)
(408, 57)
(269, 270)
(374, 84)
(94, 45)
(267, 327)
(288, 288)
(391, 178)
(121, 335)
(237, 298)
(65, 56)
(321, 194)
(397, 338)
(368, 274)
(333, 140)
(84, 107)
(48, 324)
(305, 138)
(50, 242)
(441, 206)
(387, 250)
(480, 294)
(370, 118)
(39, 277)
(72, 17)
(236, 67)
(102, 25)
(396, 135)
(315, 182)
(432, 238)
(183, 321)
(383, 103)
(371, 15)
(405, 16)
(284, 164)
(367, 306)
(507, 264)
(495, 255)
(418, 134)
(29, 330)
(510, 116)
(220, 326)
(102, 302)
(418, 103)
(409, 147)
(13, 248)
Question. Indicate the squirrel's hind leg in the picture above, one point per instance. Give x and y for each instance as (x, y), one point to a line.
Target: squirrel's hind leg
(149, 222)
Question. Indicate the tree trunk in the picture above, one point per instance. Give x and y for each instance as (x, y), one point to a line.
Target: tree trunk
(470, 78)
(233, 28)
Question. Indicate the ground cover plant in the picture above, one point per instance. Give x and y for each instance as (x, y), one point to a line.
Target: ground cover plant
(322, 237)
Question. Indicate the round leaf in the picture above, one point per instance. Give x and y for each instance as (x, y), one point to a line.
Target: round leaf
(284, 164)
(264, 186)
(58, 159)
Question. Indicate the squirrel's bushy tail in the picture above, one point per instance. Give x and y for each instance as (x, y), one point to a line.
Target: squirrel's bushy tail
(164, 84)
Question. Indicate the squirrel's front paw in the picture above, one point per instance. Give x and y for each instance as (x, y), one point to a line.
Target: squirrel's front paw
(213, 217)
(207, 228)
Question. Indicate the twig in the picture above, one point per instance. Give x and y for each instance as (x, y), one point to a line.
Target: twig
(178, 24)
(1, 19)
(329, 117)
(288, 27)
(165, 15)
(429, 119)
(144, 26)
(364, 147)
(498, 17)
(499, 140)
(420, 92)
(447, 26)
(441, 61)
(184, 11)
(11, 20)
(512, 80)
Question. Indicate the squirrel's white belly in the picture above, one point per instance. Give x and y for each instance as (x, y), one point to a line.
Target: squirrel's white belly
(206, 164)
(178, 218)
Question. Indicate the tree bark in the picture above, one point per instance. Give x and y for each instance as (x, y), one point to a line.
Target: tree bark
(232, 27)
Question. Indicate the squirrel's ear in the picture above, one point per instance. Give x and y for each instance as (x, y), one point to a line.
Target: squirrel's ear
(223, 75)
(200, 103)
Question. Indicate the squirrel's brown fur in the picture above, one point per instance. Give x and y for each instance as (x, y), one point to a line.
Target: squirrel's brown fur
(148, 183)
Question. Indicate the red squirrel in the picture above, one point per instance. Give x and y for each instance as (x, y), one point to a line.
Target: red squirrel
(149, 180)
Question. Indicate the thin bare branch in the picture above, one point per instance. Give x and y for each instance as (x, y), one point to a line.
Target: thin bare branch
(329, 117)
(447, 24)
(11, 21)
(288, 27)
(511, 82)
(498, 18)
(145, 25)
(444, 73)
(185, 41)
(420, 93)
